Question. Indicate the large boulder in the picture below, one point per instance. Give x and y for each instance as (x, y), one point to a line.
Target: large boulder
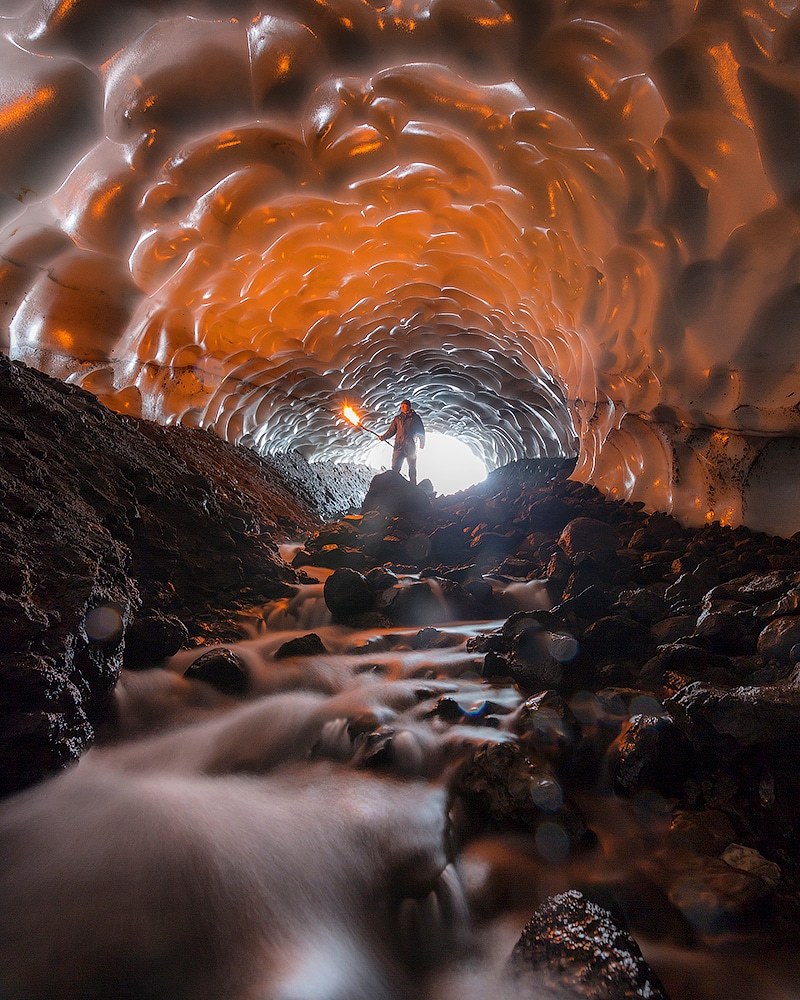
(576, 949)
(348, 593)
(588, 535)
(391, 493)
(766, 715)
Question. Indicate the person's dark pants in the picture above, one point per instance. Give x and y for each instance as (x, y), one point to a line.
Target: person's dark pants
(397, 460)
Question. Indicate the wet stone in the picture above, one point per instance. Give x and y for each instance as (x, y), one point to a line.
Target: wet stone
(642, 605)
(432, 638)
(651, 753)
(390, 493)
(616, 635)
(673, 629)
(333, 557)
(778, 637)
(152, 638)
(788, 604)
(539, 656)
(684, 658)
(546, 723)
(222, 669)
(418, 604)
(576, 949)
(587, 535)
(712, 895)
(379, 578)
(303, 645)
(766, 715)
(589, 603)
(347, 593)
(495, 667)
(499, 784)
(746, 859)
(724, 633)
(706, 831)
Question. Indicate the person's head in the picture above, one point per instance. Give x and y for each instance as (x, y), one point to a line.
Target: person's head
(405, 405)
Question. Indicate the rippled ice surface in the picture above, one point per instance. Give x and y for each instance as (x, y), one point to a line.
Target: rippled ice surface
(217, 848)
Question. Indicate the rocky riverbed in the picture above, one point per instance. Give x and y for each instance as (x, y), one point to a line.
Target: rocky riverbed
(666, 655)
(523, 740)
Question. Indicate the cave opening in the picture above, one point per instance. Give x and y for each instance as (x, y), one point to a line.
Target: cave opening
(449, 463)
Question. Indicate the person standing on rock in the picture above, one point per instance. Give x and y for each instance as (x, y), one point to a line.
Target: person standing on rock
(406, 429)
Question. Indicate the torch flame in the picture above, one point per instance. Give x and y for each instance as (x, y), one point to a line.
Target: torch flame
(350, 414)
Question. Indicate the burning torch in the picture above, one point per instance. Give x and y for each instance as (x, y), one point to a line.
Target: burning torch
(350, 414)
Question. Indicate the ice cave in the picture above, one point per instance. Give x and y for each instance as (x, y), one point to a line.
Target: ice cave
(569, 231)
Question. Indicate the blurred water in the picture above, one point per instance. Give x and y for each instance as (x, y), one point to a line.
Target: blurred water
(217, 848)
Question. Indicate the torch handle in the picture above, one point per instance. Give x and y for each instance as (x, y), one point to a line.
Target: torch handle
(371, 431)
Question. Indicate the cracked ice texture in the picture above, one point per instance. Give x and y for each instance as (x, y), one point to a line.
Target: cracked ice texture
(554, 224)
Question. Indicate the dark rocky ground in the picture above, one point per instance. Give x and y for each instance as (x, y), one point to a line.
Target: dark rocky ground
(121, 540)
(666, 663)
(666, 666)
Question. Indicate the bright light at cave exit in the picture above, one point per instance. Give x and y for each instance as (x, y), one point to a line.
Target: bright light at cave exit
(450, 464)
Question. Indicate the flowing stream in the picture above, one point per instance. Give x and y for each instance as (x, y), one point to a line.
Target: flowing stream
(301, 844)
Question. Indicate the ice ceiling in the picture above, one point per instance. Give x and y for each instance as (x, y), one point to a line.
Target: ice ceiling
(556, 224)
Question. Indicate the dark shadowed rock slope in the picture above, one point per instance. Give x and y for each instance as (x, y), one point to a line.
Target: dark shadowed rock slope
(119, 537)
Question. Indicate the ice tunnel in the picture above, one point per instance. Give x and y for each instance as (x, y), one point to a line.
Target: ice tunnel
(562, 226)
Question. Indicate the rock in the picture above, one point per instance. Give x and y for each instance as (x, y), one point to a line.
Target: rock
(347, 593)
(724, 633)
(499, 784)
(707, 831)
(642, 605)
(419, 604)
(492, 546)
(651, 753)
(150, 639)
(545, 723)
(711, 894)
(657, 529)
(303, 645)
(616, 636)
(448, 544)
(333, 556)
(22, 623)
(590, 603)
(684, 658)
(495, 667)
(767, 715)
(689, 588)
(672, 630)
(753, 588)
(379, 578)
(587, 535)
(786, 605)
(390, 493)
(540, 659)
(778, 637)
(103, 514)
(222, 669)
(432, 638)
(746, 859)
(574, 948)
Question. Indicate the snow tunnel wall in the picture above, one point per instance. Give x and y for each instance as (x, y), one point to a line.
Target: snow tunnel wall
(562, 225)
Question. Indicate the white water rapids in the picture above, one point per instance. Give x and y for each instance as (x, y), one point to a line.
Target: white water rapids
(216, 848)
